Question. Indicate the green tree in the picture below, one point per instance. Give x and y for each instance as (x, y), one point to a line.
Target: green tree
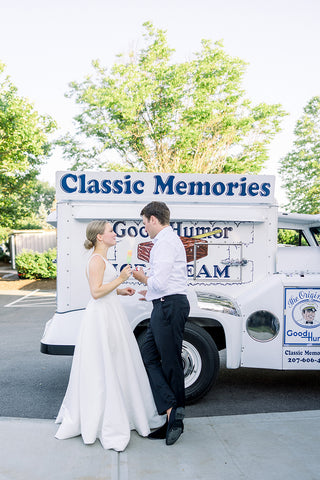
(24, 147)
(164, 116)
(37, 204)
(300, 169)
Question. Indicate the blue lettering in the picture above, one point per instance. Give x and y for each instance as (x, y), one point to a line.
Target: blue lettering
(219, 273)
(219, 233)
(253, 189)
(106, 186)
(181, 188)
(93, 186)
(231, 186)
(143, 232)
(305, 334)
(120, 228)
(218, 188)
(191, 231)
(127, 184)
(200, 186)
(82, 179)
(132, 232)
(204, 271)
(136, 185)
(243, 187)
(226, 230)
(71, 183)
(117, 187)
(177, 229)
(120, 232)
(190, 270)
(64, 182)
(265, 190)
(160, 184)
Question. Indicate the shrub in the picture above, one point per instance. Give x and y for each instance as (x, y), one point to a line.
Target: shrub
(4, 234)
(33, 265)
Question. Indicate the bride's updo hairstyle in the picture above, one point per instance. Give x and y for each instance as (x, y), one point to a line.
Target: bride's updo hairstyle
(93, 229)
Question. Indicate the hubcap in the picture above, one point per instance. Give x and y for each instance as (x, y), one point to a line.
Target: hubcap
(192, 363)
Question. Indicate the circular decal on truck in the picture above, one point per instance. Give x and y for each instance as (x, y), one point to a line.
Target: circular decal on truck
(307, 313)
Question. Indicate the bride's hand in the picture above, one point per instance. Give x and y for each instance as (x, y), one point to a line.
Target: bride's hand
(125, 273)
(126, 291)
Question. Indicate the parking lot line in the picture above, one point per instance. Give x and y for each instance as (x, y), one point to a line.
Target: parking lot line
(34, 299)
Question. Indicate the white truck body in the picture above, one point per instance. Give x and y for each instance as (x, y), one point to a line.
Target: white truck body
(246, 293)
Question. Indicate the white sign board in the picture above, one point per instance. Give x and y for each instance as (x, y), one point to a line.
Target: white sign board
(165, 187)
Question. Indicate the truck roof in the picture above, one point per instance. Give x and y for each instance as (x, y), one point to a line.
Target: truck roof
(286, 219)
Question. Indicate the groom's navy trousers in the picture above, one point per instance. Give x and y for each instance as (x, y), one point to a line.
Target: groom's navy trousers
(161, 351)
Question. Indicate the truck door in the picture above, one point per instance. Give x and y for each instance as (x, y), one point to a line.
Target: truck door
(262, 324)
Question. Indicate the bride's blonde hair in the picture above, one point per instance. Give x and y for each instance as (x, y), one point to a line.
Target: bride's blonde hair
(94, 228)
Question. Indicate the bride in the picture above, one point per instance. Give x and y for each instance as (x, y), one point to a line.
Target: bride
(108, 392)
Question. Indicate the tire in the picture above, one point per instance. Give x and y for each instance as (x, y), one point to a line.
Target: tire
(201, 362)
(200, 359)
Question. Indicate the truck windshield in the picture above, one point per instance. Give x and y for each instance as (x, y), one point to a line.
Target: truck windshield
(316, 234)
(288, 236)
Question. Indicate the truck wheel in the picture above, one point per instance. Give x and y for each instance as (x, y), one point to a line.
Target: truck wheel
(201, 362)
(200, 359)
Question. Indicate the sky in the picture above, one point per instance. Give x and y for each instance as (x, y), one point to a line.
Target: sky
(47, 44)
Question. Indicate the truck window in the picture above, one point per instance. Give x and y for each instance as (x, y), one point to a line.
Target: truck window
(293, 237)
(316, 234)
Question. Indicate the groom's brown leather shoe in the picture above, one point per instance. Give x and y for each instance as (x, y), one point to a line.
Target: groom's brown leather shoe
(160, 433)
(175, 425)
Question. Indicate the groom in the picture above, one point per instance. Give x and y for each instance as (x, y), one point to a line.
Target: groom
(167, 287)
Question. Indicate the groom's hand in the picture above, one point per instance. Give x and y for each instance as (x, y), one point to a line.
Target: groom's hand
(143, 293)
(140, 275)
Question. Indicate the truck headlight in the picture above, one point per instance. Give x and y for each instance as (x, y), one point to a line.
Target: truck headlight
(216, 303)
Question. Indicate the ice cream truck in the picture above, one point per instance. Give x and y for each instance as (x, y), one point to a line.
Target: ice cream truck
(255, 298)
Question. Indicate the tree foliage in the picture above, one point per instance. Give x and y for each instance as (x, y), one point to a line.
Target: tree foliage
(37, 205)
(24, 147)
(164, 116)
(300, 169)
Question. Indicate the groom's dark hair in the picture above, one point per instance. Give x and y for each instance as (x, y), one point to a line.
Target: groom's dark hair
(158, 210)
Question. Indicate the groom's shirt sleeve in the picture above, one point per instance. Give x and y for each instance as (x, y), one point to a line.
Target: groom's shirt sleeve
(163, 254)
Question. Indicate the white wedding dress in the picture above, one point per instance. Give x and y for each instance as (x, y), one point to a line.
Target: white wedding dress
(108, 392)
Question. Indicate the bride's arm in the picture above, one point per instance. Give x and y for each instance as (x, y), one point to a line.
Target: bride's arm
(96, 271)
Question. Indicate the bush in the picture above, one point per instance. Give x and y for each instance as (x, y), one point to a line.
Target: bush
(4, 234)
(33, 265)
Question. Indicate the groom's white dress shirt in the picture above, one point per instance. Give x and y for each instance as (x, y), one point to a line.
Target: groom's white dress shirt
(168, 266)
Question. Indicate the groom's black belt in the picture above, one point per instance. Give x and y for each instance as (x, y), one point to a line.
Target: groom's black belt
(168, 297)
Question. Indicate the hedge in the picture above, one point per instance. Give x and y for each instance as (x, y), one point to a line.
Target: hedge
(30, 264)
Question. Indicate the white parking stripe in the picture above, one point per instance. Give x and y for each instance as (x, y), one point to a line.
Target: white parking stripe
(20, 299)
(34, 299)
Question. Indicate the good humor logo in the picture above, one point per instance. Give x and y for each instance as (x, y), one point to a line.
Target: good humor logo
(305, 308)
(306, 336)
(72, 183)
(302, 316)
